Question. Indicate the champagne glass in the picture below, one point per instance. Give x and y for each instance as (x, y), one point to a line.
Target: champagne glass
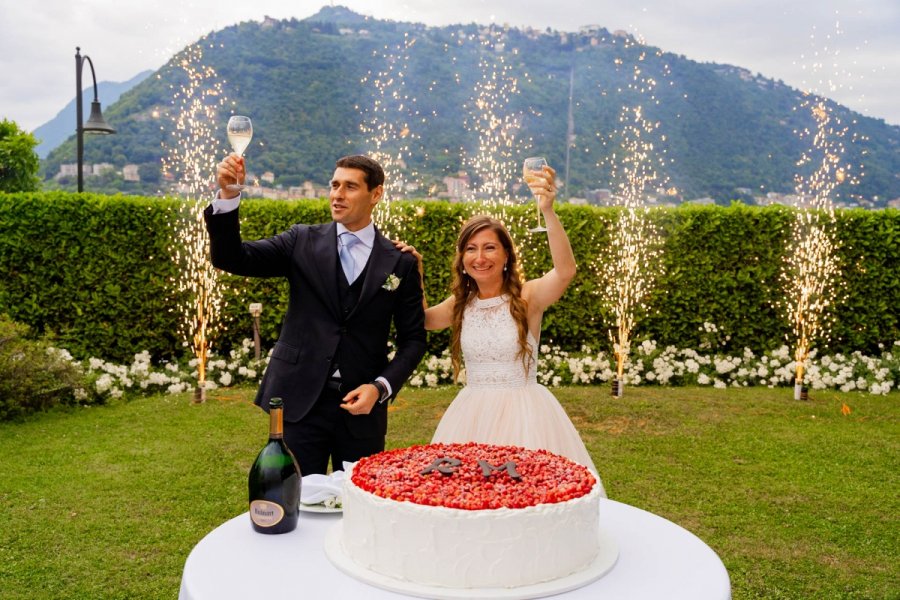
(240, 132)
(532, 166)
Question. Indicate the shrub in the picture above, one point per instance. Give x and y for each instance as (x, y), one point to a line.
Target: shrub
(19, 162)
(35, 376)
(97, 270)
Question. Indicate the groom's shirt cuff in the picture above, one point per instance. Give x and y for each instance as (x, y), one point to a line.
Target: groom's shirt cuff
(387, 386)
(225, 205)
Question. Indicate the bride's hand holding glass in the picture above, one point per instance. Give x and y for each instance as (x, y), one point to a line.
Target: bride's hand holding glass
(541, 180)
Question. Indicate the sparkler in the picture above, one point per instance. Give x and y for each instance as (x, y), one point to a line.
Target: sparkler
(191, 151)
(493, 163)
(386, 125)
(628, 266)
(497, 161)
(811, 271)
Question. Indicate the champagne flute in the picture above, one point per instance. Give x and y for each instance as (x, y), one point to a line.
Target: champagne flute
(530, 168)
(240, 132)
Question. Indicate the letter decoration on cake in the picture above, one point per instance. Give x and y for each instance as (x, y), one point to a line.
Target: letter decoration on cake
(444, 466)
(510, 467)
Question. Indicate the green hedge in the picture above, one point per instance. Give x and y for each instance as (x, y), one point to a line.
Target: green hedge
(95, 271)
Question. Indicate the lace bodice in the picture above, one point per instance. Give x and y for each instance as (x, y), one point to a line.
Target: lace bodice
(490, 342)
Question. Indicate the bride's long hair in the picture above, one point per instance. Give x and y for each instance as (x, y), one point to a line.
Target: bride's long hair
(464, 289)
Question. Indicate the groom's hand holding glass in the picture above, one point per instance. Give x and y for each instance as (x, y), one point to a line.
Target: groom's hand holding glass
(228, 171)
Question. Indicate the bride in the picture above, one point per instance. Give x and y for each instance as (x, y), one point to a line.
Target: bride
(495, 321)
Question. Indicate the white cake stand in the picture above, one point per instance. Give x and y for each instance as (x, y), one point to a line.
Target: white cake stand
(605, 560)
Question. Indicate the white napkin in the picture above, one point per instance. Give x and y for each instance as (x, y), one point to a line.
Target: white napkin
(318, 488)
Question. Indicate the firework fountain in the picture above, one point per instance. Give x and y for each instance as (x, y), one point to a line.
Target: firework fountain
(388, 127)
(811, 272)
(190, 153)
(630, 263)
(496, 162)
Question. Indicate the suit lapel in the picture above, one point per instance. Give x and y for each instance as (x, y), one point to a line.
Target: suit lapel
(382, 261)
(325, 254)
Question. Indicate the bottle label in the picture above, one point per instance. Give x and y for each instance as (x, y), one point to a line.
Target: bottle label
(265, 513)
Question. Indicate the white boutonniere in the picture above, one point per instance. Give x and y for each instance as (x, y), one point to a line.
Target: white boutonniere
(391, 283)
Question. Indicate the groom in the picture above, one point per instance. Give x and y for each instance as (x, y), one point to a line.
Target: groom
(348, 283)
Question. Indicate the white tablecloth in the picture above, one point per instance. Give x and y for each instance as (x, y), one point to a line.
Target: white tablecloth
(657, 559)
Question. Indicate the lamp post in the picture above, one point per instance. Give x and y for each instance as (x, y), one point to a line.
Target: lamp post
(95, 123)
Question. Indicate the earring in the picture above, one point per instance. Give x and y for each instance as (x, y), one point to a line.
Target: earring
(504, 267)
(464, 272)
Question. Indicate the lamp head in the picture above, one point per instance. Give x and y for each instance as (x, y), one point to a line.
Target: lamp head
(96, 123)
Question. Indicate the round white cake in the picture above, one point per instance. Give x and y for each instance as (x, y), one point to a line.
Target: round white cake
(471, 515)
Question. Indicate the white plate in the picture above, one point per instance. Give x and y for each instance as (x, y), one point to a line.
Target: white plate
(605, 561)
(319, 508)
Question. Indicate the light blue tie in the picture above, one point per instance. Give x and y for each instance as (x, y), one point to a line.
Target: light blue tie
(348, 240)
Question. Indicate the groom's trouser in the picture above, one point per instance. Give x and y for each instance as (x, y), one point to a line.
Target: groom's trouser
(323, 434)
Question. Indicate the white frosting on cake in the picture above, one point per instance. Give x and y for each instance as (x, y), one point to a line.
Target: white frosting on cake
(449, 547)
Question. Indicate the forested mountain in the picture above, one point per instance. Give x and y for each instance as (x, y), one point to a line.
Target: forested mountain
(309, 85)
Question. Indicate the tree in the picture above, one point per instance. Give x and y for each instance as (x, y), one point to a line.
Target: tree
(18, 161)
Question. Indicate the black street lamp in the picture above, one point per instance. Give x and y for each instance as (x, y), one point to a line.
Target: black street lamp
(95, 123)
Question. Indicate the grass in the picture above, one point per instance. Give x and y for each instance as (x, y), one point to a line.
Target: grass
(799, 500)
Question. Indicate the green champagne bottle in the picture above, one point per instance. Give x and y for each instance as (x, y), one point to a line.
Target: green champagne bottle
(274, 481)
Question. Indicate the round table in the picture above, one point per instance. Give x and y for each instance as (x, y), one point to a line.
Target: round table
(657, 559)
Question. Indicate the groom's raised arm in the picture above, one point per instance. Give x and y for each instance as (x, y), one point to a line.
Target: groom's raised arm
(269, 257)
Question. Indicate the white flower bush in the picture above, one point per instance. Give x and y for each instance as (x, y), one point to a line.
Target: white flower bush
(141, 376)
(649, 364)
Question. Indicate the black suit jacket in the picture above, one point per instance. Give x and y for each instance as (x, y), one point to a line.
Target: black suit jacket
(314, 326)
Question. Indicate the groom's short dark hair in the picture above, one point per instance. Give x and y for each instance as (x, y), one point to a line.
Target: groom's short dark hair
(374, 172)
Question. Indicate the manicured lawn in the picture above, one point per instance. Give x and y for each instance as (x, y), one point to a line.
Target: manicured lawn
(799, 500)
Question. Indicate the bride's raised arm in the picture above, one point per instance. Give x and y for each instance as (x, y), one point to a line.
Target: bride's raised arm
(544, 291)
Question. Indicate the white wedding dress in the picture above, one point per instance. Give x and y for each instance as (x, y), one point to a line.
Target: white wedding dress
(501, 403)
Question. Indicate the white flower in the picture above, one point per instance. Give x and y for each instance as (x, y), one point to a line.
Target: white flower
(225, 378)
(156, 378)
(391, 283)
(103, 383)
(61, 353)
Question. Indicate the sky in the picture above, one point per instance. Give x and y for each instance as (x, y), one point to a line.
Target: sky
(847, 50)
